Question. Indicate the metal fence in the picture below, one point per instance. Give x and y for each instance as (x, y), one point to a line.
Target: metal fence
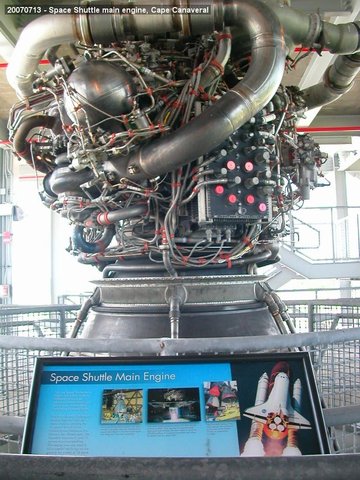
(326, 234)
(318, 293)
(337, 366)
(334, 345)
(73, 299)
(16, 365)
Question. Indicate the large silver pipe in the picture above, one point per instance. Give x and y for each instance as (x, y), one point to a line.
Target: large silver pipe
(338, 79)
(50, 30)
(217, 66)
(34, 40)
(229, 113)
(309, 30)
(114, 216)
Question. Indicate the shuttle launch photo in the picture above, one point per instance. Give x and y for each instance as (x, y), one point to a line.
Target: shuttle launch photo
(276, 416)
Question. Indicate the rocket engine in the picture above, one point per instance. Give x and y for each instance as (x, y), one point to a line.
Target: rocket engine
(169, 142)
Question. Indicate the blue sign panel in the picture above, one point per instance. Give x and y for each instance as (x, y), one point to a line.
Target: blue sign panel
(172, 407)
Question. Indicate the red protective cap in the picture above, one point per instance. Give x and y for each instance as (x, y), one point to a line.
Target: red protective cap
(249, 166)
(262, 207)
(230, 165)
(250, 199)
(232, 198)
(219, 189)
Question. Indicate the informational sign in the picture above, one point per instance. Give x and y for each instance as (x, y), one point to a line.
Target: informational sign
(175, 407)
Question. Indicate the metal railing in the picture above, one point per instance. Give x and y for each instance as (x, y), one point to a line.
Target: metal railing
(16, 365)
(318, 293)
(37, 320)
(330, 330)
(73, 299)
(337, 365)
(325, 234)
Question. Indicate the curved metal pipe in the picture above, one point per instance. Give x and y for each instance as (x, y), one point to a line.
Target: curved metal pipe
(229, 113)
(311, 31)
(216, 67)
(84, 246)
(90, 302)
(35, 39)
(114, 216)
(337, 80)
(65, 180)
(168, 264)
(22, 146)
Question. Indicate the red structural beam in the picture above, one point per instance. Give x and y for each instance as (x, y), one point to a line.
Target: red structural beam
(31, 177)
(306, 49)
(353, 128)
(41, 62)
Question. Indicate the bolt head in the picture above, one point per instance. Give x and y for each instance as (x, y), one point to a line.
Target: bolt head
(133, 169)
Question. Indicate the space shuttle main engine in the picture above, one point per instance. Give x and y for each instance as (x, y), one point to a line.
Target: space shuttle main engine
(170, 143)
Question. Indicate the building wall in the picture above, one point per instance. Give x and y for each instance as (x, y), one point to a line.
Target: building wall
(42, 268)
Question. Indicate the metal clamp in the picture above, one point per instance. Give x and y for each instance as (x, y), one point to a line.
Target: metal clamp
(314, 33)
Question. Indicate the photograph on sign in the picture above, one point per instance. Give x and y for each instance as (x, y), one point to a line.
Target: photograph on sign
(221, 401)
(122, 406)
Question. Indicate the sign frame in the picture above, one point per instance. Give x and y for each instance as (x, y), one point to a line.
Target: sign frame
(158, 404)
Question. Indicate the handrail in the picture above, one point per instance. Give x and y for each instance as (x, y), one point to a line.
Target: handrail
(12, 424)
(337, 231)
(168, 346)
(20, 309)
(294, 234)
(346, 302)
(315, 290)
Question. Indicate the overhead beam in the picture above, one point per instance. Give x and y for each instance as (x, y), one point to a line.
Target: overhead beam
(336, 121)
(336, 137)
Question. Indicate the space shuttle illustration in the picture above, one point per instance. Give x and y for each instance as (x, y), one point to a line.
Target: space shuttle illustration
(275, 415)
(277, 411)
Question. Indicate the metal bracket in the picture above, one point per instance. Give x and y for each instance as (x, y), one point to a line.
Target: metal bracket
(314, 33)
(175, 296)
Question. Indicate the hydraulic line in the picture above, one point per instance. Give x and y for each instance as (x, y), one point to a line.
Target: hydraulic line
(23, 148)
(98, 246)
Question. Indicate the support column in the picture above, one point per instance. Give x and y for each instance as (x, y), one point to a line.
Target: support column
(341, 215)
(6, 176)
